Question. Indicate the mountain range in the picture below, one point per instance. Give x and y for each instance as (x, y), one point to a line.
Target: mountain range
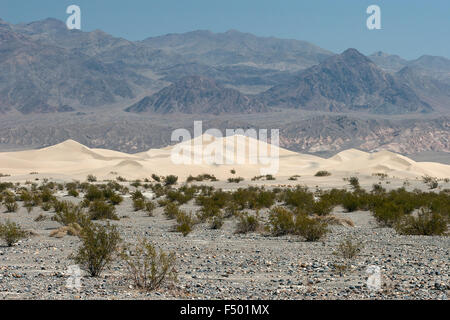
(77, 77)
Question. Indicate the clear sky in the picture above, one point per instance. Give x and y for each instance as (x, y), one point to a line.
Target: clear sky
(410, 28)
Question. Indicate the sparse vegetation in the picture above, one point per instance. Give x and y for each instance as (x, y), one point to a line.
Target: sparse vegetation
(322, 173)
(148, 268)
(98, 247)
(11, 233)
(309, 228)
(348, 248)
(426, 223)
(247, 223)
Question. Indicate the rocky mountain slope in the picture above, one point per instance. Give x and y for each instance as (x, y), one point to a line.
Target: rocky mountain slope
(347, 82)
(197, 95)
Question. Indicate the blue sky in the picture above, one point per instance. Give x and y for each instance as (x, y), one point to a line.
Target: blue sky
(410, 28)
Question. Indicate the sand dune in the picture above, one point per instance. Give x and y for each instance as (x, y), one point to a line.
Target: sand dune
(73, 160)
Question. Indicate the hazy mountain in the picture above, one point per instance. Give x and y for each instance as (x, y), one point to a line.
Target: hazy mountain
(349, 81)
(429, 89)
(36, 76)
(197, 95)
(436, 67)
(234, 47)
(388, 62)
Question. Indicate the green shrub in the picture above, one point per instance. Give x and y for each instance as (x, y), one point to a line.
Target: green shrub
(171, 210)
(281, 222)
(354, 182)
(185, 223)
(322, 207)
(235, 180)
(322, 173)
(388, 214)
(93, 193)
(73, 193)
(299, 198)
(426, 223)
(351, 202)
(100, 210)
(10, 203)
(149, 269)
(170, 180)
(98, 246)
(156, 178)
(115, 199)
(91, 178)
(71, 214)
(309, 228)
(149, 208)
(11, 233)
(247, 223)
(138, 204)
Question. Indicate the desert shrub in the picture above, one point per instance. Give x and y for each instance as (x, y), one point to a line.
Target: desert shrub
(170, 180)
(148, 268)
(73, 193)
(136, 183)
(100, 210)
(299, 198)
(93, 193)
(322, 173)
(98, 246)
(378, 189)
(138, 204)
(171, 210)
(281, 221)
(388, 214)
(322, 207)
(46, 206)
(10, 203)
(348, 248)
(156, 177)
(309, 228)
(235, 180)
(149, 208)
(182, 196)
(351, 202)
(201, 177)
(426, 223)
(354, 182)
(137, 195)
(91, 178)
(430, 181)
(216, 222)
(115, 199)
(185, 223)
(11, 233)
(247, 223)
(71, 213)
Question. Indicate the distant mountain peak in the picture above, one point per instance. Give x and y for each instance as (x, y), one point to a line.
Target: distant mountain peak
(347, 82)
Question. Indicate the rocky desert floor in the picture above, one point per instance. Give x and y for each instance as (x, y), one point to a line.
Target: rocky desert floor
(219, 264)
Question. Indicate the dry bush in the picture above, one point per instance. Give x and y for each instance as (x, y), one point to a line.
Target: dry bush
(148, 268)
(348, 248)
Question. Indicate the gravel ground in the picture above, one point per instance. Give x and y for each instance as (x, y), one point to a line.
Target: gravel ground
(218, 264)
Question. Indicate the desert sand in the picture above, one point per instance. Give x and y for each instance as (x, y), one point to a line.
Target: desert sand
(72, 160)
